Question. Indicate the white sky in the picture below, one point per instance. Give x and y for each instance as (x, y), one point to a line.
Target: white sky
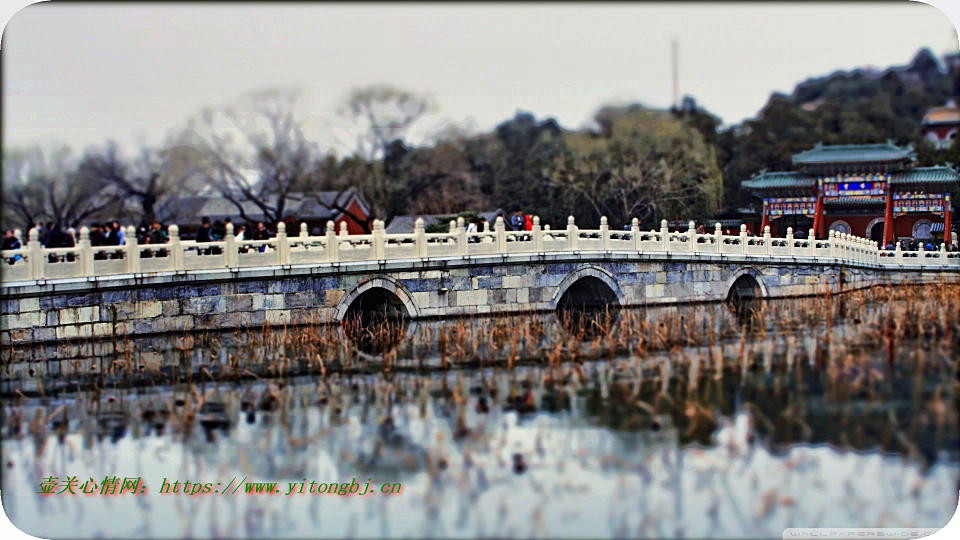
(85, 73)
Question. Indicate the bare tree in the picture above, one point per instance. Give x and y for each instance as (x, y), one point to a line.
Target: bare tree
(257, 156)
(148, 178)
(381, 114)
(47, 188)
(380, 117)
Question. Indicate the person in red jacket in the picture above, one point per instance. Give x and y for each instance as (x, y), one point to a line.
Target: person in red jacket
(528, 225)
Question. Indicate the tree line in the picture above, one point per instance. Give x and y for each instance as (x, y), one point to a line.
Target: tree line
(635, 162)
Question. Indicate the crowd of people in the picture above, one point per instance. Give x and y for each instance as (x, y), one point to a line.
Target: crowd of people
(112, 234)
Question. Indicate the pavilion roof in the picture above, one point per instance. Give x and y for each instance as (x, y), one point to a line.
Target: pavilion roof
(854, 153)
(926, 175)
(780, 180)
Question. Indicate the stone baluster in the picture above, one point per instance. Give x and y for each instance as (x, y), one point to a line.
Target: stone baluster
(573, 234)
(304, 237)
(173, 240)
(378, 239)
(943, 253)
(766, 240)
(635, 233)
(133, 250)
(812, 242)
(832, 243)
(230, 248)
(331, 241)
(537, 235)
(692, 236)
(790, 247)
(718, 237)
(743, 238)
(664, 235)
(897, 253)
(461, 236)
(283, 245)
(35, 254)
(85, 252)
(604, 233)
(420, 238)
(501, 230)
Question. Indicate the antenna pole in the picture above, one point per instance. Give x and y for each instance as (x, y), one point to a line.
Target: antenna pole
(675, 61)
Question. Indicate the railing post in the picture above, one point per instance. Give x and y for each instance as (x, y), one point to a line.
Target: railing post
(283, 245)
(420, 238)
(789, 240)
(573, 234)
(812, 242)
(897, 252)
(133, 250)
(331, 242)
(832, 243)
(173, 233)
(743, 238)
(378, 240)
(692, 236)
(718, 237)
(35, 254)
(461, 236)
(943, 253)
(537, 235)
(230, 248)
(766, 239)
(500, 229)
(604, 233)
(85, 252)
(664, 235)
(635, 233)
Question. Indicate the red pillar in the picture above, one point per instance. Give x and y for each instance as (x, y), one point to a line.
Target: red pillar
(765, 221)
(818, 219)
(888, 226)
(947, 225)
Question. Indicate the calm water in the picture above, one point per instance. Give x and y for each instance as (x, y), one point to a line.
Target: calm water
(673, 422)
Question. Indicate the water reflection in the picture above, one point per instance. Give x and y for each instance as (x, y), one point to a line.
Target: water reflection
(679, 418)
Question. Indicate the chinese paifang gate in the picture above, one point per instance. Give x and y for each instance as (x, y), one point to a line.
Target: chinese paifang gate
(871, 190)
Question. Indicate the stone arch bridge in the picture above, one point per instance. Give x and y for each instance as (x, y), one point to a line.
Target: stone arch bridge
(498, 272)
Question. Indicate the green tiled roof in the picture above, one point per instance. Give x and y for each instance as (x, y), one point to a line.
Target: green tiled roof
(856, 200)
(780, 180)
(852, 153)
(925, 175)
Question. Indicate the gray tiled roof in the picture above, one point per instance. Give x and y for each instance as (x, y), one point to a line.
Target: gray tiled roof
(774, 180)
(851, 153)
(926, 175)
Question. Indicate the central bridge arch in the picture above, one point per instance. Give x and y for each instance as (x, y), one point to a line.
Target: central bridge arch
(746, 284)
(590, 287)
(378, 293)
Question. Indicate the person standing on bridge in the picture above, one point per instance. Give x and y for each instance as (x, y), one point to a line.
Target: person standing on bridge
(517, 221)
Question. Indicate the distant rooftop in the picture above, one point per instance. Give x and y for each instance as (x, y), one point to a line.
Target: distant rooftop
(949, 114)
(853, 153)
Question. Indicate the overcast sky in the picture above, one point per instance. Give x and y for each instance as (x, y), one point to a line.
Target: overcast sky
(88, 72)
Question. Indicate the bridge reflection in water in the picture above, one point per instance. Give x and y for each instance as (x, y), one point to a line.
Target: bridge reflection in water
(672, 397)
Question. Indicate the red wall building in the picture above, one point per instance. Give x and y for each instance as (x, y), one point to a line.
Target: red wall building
(872, 191)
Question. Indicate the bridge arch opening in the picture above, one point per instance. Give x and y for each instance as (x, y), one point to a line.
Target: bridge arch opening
(588, 307)
(745, 299)
(376, 320)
